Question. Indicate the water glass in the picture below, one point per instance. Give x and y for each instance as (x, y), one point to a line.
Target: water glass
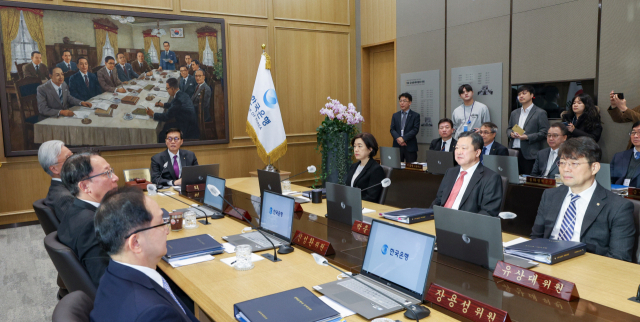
(189, 219)
(286, 186)
(152, 189)
(243, 258)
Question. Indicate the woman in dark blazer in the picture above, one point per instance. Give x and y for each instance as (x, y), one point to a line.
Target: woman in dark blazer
(366, 172)
(583, 119)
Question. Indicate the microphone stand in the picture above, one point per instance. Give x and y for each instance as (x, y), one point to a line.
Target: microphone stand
(206, 220)
(158, 185)
(377, 184)
(293, 176)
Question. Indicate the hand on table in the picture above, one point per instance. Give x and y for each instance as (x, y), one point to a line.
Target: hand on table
(67, 113)
(86, 104)
(159, 68)
(150, 112)
(148, 74)
(121, 90)
(177, 182)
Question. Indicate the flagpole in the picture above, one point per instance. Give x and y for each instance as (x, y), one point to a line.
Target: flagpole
(269, 166)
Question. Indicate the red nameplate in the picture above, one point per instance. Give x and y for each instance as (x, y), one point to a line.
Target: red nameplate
(541, 182)
(233, 213)
(465, 306)
(297, 207)
(412, 166)
(136, 183)
(195, 194)
(540, 282)
(361, 227)
(313, 244)
(634, 193)
(195, 187)
(531, 295)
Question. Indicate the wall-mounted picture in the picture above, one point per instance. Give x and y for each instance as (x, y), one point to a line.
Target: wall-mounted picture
(109, 80)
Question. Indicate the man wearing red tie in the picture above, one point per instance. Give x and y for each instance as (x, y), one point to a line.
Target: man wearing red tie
(470, 186)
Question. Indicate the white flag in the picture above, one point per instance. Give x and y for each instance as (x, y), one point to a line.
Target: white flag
(264, 121)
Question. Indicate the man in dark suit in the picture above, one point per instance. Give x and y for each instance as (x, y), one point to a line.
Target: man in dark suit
(547, 159)
(470, 186)
(488, 132)
(108, 78)
(51, 156)
(189, 63)
(582, 210)
(445, 142)
(201, 86)
(166, 166)
(130, 227)
(125, 71)
(36, 68)
(186, 82)
(88, 177)
(140, 66)
(84, 85)
(181, 109)
(625, 165)
(533, 120)
(405, 125)
(66, 64)
(168, 58)
(54, 98)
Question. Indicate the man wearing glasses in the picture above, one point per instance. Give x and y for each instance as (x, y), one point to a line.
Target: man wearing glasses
(582, 210)
(51, 156)
(130, 227)
(625, 165)
(547, 159)
(405, 125)
(166, 166)
(178, 113)
(488, 132)
(88, 177)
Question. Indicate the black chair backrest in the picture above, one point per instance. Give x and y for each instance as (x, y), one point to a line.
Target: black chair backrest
(505, 186)
(387, 174)
(73, 274)
(46, 217)
(96, 69)
(513, 153)
(74, 307)
(636, 217)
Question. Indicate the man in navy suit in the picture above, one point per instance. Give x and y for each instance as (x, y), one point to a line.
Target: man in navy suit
(625, 165)
(166, 166)
(130, 228)
(445, 142)
(405, 125)
(84, 85)
(181, 109)
(488, 132)
(170, 56)
(66, 64)
(547, 159)
(125, 71)
(187, 82)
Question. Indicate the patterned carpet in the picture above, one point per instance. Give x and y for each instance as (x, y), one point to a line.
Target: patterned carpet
(27, 276)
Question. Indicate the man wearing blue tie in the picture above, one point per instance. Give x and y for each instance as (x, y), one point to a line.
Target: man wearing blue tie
(167, 58)
(625, 165)
(84, 85)
(66, 64)
(405, 125)
(582, 210)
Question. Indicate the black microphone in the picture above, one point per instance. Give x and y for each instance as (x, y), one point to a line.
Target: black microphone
(198, 209)
(215, 192)
(418, 311)
(385, 183)
(158, 185)
(310, 169)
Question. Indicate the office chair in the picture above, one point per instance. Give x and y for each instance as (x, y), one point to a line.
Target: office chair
(513, 153)
(635, 256)
(74, 275)
(46, 217)
(387, 174)
(75, 307)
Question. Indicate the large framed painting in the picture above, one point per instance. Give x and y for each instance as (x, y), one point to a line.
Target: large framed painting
(102, 79)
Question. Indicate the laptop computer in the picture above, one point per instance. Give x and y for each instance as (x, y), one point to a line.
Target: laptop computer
(276, 221)
(271, 181)
(473, 238)
(197, 174)
(438, 161)
(604, 176)
(396, 262)
(344, 203)
(503, 165)
(390, 157)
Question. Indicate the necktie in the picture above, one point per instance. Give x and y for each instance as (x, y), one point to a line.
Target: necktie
(637, 155)
(404, 120)
(176, 166)
(444, 146)
(68, 67)
(166, 287)
(60, 95)
(36, 69)
(456, 189)
(86, 80)
(125, 72)
(140, 64)
(109, 74)
(484, 150)
(569, 221)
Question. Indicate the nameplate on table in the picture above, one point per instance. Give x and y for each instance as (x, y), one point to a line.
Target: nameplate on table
(536, 281)
(195, 187)
(313, 243)
(465, 306)
(540, 182)
(239, 215)
(195, 194)
(634, 193)
(138, 183)
(412, 166)
(361, 228)
(516, 291)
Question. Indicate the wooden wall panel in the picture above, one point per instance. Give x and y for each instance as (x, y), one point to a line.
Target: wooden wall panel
(383, 100)
(152, 4)
(245, 8)
(330, 11)
(311, 65)
(377, 21)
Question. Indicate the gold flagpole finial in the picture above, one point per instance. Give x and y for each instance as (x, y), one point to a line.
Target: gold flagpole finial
(263, 47)
(268, 62)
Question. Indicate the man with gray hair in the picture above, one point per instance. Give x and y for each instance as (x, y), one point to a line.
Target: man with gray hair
(51, 156)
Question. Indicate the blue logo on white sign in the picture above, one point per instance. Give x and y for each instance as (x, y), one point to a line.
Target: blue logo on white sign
(384, 249)
(270, 99)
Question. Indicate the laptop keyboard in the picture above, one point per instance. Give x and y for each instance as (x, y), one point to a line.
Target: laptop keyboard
(372, 295)
(257, 238)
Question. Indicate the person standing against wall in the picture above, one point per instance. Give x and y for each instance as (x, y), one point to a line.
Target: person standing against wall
(405, 125)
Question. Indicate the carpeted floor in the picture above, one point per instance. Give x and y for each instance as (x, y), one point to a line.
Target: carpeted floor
(27, 276)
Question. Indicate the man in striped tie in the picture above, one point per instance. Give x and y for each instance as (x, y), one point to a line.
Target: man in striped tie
(54, 98)
(582, 210)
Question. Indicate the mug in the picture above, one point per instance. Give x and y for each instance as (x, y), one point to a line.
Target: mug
(176, 221)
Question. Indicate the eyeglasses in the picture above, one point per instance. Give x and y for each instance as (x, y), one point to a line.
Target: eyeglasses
(554, 136)
(404, 101)
(165, 224)
(176, 139)
(632, 134)
(484, 132)
(572, 165)
(109, 174)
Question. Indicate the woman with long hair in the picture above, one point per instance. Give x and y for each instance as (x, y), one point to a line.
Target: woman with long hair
(583, 118)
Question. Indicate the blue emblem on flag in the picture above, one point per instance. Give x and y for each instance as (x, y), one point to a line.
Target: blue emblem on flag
(270, 99)
(384, 249)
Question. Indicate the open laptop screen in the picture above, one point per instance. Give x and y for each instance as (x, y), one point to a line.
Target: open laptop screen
(398, 255)
(210, 199)
(277, 214)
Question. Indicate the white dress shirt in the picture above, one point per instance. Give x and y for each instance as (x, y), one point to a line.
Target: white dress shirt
(465, 183)
(151, 273)
(581, 208)
(93, 203)
(447, 147)
(357, 173)
(523, 118)
(179, 163)
(552, 157)
(487, 148)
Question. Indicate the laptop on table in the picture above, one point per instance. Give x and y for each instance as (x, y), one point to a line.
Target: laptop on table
(503, 165)
(271, 181)
(396, 263)
(439, 161)
(344, 203)
(197, 174)
(390, 157)
(276, 221)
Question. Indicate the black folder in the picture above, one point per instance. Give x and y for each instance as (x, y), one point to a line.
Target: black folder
(296, 305)
(186, 247)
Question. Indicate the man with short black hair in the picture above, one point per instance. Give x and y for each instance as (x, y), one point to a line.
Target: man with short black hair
(181, 109)
(36, 68)
(125, 71)
(582, 210)
(166, 166)
(625, 165)
(533, 120)
(470, 114)
(470, 186)
(445, 142)
(140, 66)
(131, 230)
(51, 156)
(201, 86)
(405, 125)
(168, 58)
(547, 159)
(186, 82)
(54, 97)
(66, 64)
(84, 85)
(108, 78)
(488, 132)
(188, 63)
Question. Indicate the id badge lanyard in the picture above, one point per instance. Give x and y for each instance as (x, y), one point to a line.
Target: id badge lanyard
(468, 122)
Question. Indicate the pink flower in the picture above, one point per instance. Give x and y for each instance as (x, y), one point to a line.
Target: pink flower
(340, 116)
(330, 114)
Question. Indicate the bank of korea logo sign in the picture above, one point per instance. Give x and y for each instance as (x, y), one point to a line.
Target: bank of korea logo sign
(270, 99)
(384, 249)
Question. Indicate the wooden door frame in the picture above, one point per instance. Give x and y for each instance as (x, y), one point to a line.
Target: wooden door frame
(367, 50)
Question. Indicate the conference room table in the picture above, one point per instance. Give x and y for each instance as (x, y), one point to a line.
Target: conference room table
(604, 284)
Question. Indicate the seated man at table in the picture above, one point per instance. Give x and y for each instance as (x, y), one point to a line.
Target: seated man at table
(84, 85)
(206, 100)
(51, 156)
(488, 132)
(582, 210)
(36, 68)
(125, 71)
(166, 166)
(54, 98)
(445, 142)
(88, 177)
(470, 186)
(546, 164)
(180, 110)
(187, 82)
(188, 62)
(140, 66)
(130, 228)
(625, 165)
(66, 64)
(108, 78)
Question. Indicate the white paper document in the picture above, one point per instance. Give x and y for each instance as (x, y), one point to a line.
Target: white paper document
(192, 260)
(81, 114)
(367, 211)
(515, 242)
(101, 104)
(228, 248)
(229, 260)
(344, 312)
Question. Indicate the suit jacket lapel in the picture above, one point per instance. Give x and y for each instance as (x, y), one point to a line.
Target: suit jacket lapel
(364, 170)
(167, 157)
(183, 157)
(596, 204)
(531, 112)
(446, 191)
(555, 162)
(626, 159)
(475, 178)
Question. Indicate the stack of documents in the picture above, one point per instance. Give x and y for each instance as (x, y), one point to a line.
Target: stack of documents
(188, 247)
(547, 251)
